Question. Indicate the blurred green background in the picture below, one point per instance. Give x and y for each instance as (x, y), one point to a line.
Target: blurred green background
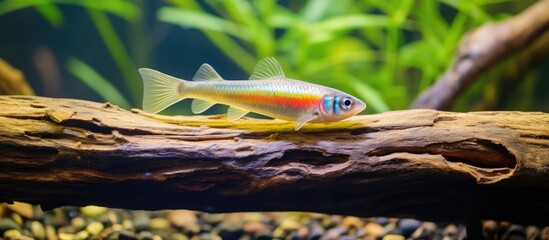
(384, 52)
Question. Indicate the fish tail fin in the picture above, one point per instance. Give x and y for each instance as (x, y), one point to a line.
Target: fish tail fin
(160, 90)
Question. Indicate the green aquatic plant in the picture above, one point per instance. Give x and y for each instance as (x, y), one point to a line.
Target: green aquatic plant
(98, 10)
(48, 8)
(386, 52)
(96, 81)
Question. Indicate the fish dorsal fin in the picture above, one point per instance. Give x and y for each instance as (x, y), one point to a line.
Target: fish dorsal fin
(206, 73)
(268, 68)
(304, 119)
(199, 105)
(234, 114)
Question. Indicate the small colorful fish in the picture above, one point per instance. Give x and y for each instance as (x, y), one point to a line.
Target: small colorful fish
(268, 92)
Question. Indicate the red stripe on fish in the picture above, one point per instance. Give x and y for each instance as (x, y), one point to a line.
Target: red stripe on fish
(287, 101)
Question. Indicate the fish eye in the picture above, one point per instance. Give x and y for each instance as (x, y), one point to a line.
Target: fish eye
(346, 103)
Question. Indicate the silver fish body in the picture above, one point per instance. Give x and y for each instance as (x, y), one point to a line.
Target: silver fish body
(268, 92)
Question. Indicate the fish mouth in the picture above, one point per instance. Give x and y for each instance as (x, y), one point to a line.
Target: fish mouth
(360, 106)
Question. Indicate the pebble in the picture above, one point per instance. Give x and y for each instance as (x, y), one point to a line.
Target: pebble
(114, 224)
(57, 219)
(17, 219)
(360, 233)
(185, 219)
(293, 236)
(394, 231)
(38, 230)
(544, 233)
(426, 230)
(450, 231)
(515, 232)
(209, 218)
(382, 220)
(489, 229)
(279, 233)
(254, 227)
(93, 211)
(393, 237)
(24, 209)
(209, 236)
(229, 230)
(408, 226)
(352, 222)
(303, 232)
(374, 229)
(126, 235)
(12, 234)
(503, 226)
(106, 233)
(8, 224)
(347, 237)
(141, 222)
(157, 237)
(146, 235)
(289, 224)
(127, 224)
(175, 236)
(193, 229)
(94, 228)
(51, 234)
(67, 229)
(330, 221)
(78, 223)
(66, 236)
(253, 217)
(333, 233)
(113, 217)
(316, 231)
(82, 235)
(159, 223)
(117, 227)
(532, 232)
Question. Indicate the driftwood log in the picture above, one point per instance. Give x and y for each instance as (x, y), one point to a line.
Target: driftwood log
(425, 164)
(483, 48)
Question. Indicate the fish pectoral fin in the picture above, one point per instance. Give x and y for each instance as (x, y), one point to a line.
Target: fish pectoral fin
(268, 68)
(234, 114)
(206, 73)
(199, 105)
(304, 119)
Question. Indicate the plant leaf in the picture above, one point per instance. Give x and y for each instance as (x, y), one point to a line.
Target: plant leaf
(96, 82)
(120, 8)
(51, 13)
(202, 21)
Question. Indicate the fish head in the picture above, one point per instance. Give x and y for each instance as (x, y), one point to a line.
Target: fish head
(338, 105)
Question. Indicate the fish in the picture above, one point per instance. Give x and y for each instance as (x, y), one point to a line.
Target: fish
(268, 92)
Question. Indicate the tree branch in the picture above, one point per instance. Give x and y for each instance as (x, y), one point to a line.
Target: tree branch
(12, 81)
(424, 164)
(482, 49)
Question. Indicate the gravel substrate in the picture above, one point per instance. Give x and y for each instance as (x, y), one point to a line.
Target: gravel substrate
(29, 222)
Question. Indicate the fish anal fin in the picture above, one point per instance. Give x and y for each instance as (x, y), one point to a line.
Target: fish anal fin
(268, 68)
(206, 73)
(304, 119)
(234, 114)
(199, 105)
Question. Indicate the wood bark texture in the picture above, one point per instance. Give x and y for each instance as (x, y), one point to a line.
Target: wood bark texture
(484, 48)
(424, 164)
